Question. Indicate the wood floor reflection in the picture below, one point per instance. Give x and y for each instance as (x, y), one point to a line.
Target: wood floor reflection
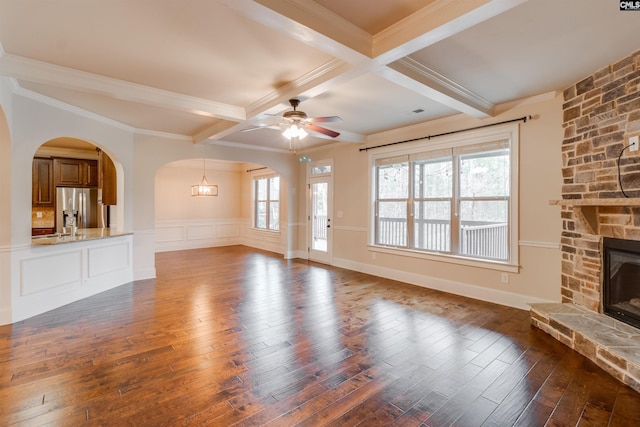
(235, 336)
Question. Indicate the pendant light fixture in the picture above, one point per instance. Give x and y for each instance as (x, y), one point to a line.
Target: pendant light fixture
(204, 188)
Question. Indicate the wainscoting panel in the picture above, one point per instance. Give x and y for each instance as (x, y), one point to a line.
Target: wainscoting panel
(224, 231)
(170, 233)
(199, 232)
(45, 272)
(196, 234)
(108, 259)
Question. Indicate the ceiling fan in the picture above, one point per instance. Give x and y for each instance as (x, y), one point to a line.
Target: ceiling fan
(296, 125)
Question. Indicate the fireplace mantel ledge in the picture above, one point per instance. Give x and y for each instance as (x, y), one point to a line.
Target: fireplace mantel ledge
(597, 202)
(587, 210)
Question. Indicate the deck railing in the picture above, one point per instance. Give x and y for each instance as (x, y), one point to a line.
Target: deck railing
(320, 227)
(477, 238)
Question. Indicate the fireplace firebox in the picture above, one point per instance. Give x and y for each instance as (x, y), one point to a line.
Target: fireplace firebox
(621, 287)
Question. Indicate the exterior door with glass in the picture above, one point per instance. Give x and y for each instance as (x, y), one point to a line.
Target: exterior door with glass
(320, 227)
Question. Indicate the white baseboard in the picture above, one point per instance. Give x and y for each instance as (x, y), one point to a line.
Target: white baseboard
(510, 299)
(144, 274)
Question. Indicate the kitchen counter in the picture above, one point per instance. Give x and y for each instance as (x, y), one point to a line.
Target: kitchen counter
(81, 235)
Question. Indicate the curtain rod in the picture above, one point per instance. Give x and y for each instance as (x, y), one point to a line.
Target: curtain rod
(256, 169)
(525, 118)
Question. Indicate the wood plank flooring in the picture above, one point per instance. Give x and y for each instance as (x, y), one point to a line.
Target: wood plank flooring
(234, 336)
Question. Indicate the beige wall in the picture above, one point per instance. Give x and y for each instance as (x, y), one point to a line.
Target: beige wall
(540, 225)
(173, 199)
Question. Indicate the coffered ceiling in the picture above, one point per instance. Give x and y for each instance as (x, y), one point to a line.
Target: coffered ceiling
(205, 70)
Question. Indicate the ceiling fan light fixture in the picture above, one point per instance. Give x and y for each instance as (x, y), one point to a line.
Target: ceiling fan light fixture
(294, 131)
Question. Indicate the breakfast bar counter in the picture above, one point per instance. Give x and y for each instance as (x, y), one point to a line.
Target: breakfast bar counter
(80, 235)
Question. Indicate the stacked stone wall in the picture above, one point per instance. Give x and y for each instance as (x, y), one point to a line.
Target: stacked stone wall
(600, 112)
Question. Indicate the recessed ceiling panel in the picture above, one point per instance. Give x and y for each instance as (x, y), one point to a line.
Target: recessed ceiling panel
(537, 47)
(138, 116)
(197, 47)
(376, 15)
(370, 104)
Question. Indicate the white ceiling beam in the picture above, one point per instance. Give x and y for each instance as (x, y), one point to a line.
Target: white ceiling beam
(53, 75)
(433, 23)
(421, 79)
(314, 25)
(309, 23)
(307, 86)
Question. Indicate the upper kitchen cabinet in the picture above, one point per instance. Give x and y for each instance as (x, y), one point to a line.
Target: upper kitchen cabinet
(43, 188)
(75, 172)
(107, 179)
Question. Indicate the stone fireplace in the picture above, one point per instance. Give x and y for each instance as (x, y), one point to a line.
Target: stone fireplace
(601, 113)
(621, 284)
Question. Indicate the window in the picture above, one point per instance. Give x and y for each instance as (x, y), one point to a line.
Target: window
(266, 191)
(456, 199)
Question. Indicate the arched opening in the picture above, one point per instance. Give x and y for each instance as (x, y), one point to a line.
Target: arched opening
(186, 222)
(75, 184)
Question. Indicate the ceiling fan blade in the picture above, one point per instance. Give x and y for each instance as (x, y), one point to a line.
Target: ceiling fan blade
(323, 131)
(276, 126)
(324, 119)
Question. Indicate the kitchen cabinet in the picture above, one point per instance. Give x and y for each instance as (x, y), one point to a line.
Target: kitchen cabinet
(107, 179)
(91, 176)
(42, 185)
(42, 231)
(75, 172)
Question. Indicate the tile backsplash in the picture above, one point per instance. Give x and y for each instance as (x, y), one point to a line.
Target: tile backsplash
(47, 219)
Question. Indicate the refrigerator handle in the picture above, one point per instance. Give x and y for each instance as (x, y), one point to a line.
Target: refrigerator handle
(81, 210)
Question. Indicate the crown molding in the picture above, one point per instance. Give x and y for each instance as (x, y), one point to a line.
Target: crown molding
(250, 147)
(163, 134)
(20, 91)
(430, 83)
(49, 74)
(309, 85)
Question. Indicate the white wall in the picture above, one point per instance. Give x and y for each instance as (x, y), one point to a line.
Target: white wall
(32, 123)
(5, 201)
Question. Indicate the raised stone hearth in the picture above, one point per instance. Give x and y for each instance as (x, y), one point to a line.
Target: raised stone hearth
(611, 344)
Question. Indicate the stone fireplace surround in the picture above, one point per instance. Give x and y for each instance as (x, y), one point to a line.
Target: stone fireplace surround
(600, 113)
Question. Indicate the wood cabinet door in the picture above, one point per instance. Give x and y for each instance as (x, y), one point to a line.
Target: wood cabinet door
(42, 189)
(91, 173)
(69, 172)
(108, 182)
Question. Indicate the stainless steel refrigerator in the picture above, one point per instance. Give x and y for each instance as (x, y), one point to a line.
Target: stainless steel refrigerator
(79, 207)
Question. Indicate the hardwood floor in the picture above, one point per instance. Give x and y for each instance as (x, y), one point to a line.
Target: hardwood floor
(234, 336)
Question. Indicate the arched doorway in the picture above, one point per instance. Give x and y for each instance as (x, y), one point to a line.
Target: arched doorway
(74, 184)
(185, 222)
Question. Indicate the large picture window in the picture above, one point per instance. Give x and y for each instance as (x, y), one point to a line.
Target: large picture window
(456, 199)
(266, 191)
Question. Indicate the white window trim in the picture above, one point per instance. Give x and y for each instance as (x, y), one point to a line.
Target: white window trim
(319, 163)
(255, 175)
(509, 131)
